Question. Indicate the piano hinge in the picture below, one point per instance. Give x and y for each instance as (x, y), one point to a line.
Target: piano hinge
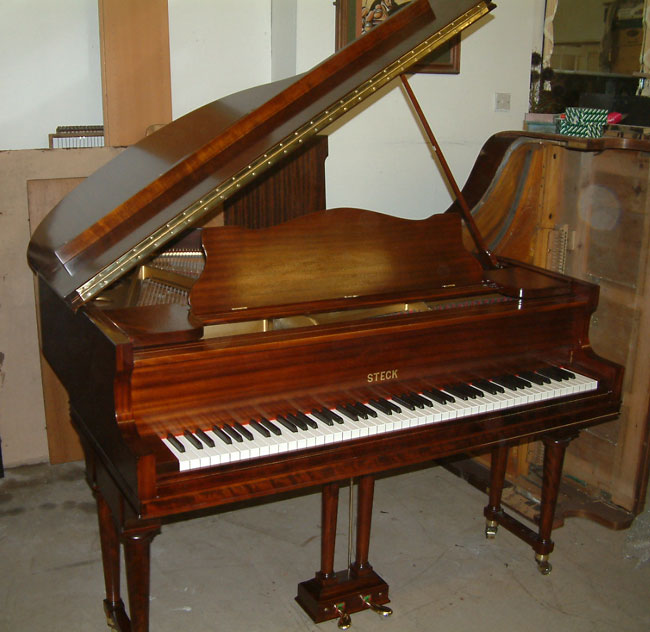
(210, 200)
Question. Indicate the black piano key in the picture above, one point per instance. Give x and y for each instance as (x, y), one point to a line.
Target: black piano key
(423, 400)
(204, 438)
(233, 433)
(489, 387)
(270, 426)
(413, 398)
(286, 423)
(533, 377)
(507, 382)
(359, 412)
(382, 406)
(333, 416)
(547, 371)
(450, 388)
(193, 440)
(402, 401)
(222, 435)
(369, 411)
(175, 442)
(393, 406)
(439, 396)
(308, 420)
(326, 419)
(299, 423)
(525, 383)
(568, 375)
(472, 389)
(350, 414)
(243, 431)
(555, 373)
(258, 427)
(467, 389)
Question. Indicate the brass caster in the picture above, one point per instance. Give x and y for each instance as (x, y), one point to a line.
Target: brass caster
(381, 610)
(491, 527)
(110, 616)
(344, 621)
(543, 565)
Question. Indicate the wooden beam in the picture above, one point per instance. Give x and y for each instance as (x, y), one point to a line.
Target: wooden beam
(136, 78)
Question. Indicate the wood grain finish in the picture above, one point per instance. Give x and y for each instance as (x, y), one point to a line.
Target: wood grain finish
(136, 94)
(153, 182)
(370, 257)
(128, 392)
(294, 188)
(135, 375)
(540, 185)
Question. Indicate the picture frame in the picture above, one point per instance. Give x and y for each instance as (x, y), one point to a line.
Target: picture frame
(349, 24)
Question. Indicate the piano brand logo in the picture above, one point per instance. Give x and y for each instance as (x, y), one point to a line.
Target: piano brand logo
(382, 376)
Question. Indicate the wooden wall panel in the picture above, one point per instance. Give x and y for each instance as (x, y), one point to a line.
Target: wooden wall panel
(62, 441)
(136, 77)
(588, 214)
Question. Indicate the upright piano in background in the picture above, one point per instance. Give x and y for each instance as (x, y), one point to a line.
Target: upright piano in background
(207, 366)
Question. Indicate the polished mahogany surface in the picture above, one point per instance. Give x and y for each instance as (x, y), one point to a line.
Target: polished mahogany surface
(370, 258)
(227, 325)
(177, 176)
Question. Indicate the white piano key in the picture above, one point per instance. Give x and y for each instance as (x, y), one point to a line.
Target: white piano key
(261, 446)
(183, 458)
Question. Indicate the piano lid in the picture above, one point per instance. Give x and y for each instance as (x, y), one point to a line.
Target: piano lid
(179, 175)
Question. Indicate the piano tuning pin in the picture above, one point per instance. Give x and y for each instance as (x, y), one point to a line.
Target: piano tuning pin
(380, 609)
(344, 621)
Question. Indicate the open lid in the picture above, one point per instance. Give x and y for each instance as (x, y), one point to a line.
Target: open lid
(173, 179)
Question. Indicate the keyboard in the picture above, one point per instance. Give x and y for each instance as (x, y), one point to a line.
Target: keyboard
(196, 448)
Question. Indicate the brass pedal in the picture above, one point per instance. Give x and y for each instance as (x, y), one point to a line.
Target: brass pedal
(381, 610)
(344, 621)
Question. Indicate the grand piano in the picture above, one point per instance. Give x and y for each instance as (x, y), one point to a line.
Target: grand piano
(208, 365)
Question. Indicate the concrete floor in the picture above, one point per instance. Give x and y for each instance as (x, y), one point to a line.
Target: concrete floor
(238, 570)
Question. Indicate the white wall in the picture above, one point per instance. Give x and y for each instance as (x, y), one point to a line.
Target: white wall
(283, 38)
(379, 159)
(217, 48)
(49, 69)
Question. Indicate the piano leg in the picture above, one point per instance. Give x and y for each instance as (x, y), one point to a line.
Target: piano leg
(329, 514)
(497, 479)
(554, 450)
(137, 546)
(331, 595)
(113, 604)
(361, 567)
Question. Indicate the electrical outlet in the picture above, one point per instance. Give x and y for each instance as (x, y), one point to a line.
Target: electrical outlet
(502, 102)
